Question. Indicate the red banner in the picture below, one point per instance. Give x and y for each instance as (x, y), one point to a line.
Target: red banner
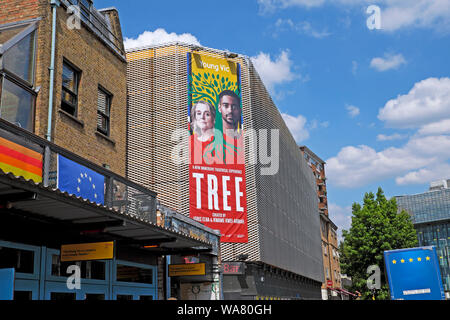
(217, 187)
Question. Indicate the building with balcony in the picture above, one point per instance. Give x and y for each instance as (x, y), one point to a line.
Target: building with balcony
(332, 286)
(430, 213)
(282, 258)
(63, 191)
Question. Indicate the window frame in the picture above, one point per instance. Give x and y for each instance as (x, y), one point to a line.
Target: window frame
(77, 74)
(19, 83)
(109, 98)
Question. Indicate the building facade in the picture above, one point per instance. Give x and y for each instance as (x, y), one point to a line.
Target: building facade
(328, 230)
(430, 213)
(87, 110)
(62, 169)
(283, 256)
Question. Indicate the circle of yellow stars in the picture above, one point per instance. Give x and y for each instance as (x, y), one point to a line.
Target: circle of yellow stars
(411, 260)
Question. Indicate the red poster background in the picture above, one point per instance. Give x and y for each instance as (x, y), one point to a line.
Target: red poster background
(231, 222)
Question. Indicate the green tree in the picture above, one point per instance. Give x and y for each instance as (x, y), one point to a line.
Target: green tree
(376, 226)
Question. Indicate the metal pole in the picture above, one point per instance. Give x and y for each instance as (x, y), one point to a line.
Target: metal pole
(54, 4)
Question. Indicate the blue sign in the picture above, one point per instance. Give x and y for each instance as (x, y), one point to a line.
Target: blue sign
(414, 274)
(80, 181)
(6, 284)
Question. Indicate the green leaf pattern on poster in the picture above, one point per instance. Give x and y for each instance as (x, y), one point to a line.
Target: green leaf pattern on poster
(204, 86)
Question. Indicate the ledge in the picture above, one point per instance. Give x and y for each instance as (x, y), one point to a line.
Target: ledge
(101, 135)
(71, 117)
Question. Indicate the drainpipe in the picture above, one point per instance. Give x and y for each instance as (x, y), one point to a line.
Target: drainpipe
(47, 152)
(54, 4)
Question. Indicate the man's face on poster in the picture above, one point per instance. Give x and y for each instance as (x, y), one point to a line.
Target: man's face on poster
(230, 109)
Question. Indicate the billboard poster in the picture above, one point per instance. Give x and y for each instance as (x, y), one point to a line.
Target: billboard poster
(216, 147)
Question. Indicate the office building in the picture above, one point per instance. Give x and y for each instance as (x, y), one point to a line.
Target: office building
(282, 257)
(430, 213)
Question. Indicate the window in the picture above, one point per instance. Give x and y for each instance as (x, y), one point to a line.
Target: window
(19, 59)
(134, 274)
(17, 104)
(69, 95)
(17, 95)
(85, 8)
(103, 111)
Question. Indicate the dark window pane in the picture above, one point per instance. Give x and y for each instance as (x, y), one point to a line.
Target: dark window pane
(145, 298)
(124, 297)
(19, 59)
(134, 274)
(89, 269)
(103, 111)
(95, 296)
(17, 105)
(69, 78)
(23, 295)
(21, 260)
(62, 296)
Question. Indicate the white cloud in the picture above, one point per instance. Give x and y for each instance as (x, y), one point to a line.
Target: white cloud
(301, 27)
(389, 62)
(274, 72)
(400, 14)
(361, 165)
(395, 14)
(297, 126)
(424, 157)
(427, 102)
(159, 36)
(271, 5)
(425, 175)
(395, 136)
(440, 127)
(341, 216)
(352, 111)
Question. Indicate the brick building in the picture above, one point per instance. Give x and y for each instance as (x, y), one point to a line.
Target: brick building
(89, 89)
(63, 99)
(331, 265)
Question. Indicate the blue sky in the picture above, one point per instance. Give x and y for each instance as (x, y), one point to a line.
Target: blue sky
(374, 104)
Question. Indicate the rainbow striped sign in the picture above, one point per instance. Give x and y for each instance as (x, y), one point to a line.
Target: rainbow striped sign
(20, 161)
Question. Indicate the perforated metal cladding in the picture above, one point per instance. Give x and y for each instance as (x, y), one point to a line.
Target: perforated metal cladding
(287, 202)
(283, 222)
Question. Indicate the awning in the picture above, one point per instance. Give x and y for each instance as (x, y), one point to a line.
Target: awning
(34, 201)
(345, 292)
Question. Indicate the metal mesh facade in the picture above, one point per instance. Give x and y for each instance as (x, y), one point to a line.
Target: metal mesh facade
(283, 220)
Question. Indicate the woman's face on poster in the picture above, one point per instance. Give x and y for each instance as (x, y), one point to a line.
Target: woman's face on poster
(204, 117)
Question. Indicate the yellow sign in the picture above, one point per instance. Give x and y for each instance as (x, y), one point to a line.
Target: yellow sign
(189, 269)
(87, 251)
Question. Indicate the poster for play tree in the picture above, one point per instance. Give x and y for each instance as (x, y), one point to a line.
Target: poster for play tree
(216, 147)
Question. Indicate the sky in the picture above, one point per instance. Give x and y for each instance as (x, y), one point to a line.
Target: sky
(366, 88)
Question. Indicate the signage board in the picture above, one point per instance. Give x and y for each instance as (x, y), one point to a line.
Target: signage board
(217, 186)
(414, 274)
(329, 283)
(190, 269)
(233, 268)
(87, 251)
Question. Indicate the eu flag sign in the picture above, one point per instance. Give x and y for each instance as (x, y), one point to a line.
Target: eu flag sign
(80, 181)
(414, 274)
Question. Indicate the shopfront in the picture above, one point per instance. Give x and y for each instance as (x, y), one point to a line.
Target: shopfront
(40, 221)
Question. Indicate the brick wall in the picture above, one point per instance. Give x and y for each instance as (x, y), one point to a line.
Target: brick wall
(99, 66)
(16, 10)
